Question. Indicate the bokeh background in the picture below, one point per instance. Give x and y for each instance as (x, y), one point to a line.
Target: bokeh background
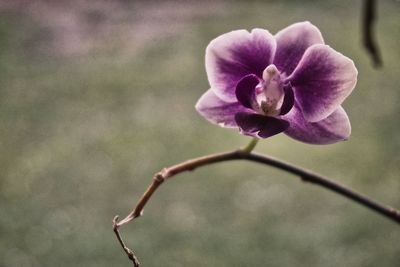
(96, 96)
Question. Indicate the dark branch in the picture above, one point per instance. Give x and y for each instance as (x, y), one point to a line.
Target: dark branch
(304, 174)
(369, 16)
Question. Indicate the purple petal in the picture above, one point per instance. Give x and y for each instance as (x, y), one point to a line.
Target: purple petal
(218, 111)
(234, 55)
(321, 81)
(246, 90)
(288, 100)
(336, 127)
(258, 125)
(292, 42)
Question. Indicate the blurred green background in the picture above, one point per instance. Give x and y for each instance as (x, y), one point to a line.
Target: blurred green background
(95, 97)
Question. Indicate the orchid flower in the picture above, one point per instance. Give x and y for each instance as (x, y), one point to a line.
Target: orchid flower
(291, 82)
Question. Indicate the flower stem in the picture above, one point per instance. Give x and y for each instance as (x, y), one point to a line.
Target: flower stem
(250, 146)
(246, 154)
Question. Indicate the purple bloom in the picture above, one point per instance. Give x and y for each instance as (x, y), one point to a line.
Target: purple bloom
(291, 82)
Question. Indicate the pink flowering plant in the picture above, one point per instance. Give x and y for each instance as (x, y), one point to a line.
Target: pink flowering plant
(263, 85)
(291, 82)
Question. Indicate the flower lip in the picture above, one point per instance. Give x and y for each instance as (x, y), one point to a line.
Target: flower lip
(257, 125)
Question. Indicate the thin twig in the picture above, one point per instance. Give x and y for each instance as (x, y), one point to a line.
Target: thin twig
(243, 154)
(369, 16)
(128, 251)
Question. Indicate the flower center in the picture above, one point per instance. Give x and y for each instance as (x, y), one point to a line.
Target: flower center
(270, 92)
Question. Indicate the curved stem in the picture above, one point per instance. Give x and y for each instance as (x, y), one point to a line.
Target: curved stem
(245, 154)
(250, 146)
